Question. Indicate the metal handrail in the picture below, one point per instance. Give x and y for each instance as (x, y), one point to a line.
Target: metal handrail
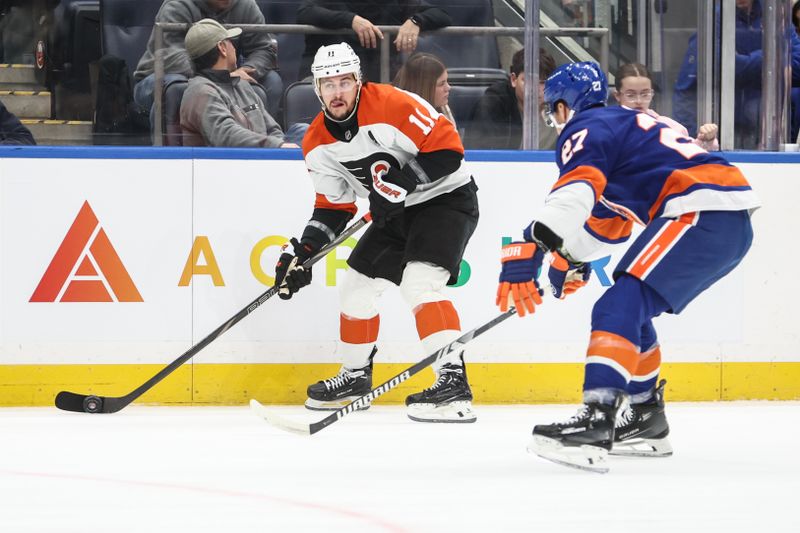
(160, 27)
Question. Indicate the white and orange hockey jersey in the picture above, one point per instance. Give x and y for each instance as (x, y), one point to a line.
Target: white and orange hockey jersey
(394, 128)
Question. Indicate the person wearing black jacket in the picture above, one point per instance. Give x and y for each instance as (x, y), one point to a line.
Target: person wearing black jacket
(496, 121)
(362, 17)
(12, 131)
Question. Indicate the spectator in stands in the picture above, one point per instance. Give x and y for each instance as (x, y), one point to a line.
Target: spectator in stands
(218, 108)
(17, 32)
(12, 131)
(426, 75)
(259, 51)
(497, 117)
(362, 16)
(747, 93)
(634, 89)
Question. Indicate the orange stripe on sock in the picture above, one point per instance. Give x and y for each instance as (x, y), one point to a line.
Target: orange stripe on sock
(612, 346)
(359, 330)
(649, 362)
(436, 316)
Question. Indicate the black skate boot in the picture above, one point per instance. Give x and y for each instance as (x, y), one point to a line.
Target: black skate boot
(449, 399)
(642, 429)
(336, 392)
(581, 442)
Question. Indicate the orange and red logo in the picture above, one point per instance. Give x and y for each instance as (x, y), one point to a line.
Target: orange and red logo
(86, 268)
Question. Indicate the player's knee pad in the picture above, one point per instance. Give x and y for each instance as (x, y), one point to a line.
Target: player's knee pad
(423, 283)
(359, 293)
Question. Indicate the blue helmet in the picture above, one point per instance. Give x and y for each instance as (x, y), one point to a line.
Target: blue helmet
(579, 85)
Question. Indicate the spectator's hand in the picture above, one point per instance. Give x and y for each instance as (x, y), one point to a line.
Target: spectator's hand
(368, 33)
(289, 145)
(707, 132)
(245, 73)
(407, 37)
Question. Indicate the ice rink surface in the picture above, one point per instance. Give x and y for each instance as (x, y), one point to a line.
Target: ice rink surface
(736, 468)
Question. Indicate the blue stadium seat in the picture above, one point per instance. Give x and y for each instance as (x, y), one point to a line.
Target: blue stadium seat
(300, 103)
(467, 86)
(173, 95)
(74, 41)
(125, 28)
(290, 45)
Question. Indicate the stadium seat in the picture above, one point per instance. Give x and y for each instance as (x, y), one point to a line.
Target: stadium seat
(74, 42)
(466, 51)
(290, 45)
(125, 28)
(173, 95)
(462, 99)
(300, 104)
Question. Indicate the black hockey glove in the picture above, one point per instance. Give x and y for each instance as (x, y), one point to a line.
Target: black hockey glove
(387, 199)
(290, 276)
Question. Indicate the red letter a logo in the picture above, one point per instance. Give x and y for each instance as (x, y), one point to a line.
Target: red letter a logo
(86, 268)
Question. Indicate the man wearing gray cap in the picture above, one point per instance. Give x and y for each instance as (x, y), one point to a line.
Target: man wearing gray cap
(259, 50)
(218, 108)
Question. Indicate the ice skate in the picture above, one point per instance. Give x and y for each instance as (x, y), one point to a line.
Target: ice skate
(449, 399)
(346, 386)
(582, 442)
(642, 429)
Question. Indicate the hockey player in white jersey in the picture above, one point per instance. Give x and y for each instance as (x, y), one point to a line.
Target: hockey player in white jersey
(378, 142)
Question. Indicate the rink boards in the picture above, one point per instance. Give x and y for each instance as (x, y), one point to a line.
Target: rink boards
(114, 261)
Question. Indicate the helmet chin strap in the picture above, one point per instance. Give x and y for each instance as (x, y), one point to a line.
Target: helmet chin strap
(560, 127)
(348, 117)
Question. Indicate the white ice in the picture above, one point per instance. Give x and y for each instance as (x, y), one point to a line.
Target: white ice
(218, 469)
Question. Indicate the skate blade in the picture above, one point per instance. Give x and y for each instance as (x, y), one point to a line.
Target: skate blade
(317, 405)
(585, 457)
(451, 413)
(642, 448)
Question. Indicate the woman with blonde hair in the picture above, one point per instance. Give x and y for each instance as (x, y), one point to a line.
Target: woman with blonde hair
(426, 75)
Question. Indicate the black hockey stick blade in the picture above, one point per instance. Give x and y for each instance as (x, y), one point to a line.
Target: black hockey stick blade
(309, 429)
(90, 403)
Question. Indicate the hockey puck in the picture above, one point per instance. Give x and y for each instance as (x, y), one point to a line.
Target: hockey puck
(92, 404)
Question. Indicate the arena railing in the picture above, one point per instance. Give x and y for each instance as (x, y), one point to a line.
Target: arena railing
(160, 27)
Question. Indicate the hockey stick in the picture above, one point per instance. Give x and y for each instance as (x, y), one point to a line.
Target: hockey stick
(70, 401)
(309, 429)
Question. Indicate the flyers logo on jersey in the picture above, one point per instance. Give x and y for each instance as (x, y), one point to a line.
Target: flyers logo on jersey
(366, 170)
(86, 268)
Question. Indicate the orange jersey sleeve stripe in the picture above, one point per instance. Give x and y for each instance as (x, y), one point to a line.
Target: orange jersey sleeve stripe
(358, 330)
(612, 346)
(612, 229)
(681, 180)
(322, 202)
(434, 317)
(591, 175)
(443, 137)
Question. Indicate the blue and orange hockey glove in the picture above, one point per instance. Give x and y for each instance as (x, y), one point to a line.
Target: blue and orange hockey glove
(567, 277)
(521, 262)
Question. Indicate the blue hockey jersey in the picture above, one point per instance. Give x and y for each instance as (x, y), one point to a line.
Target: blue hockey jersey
(619, 166)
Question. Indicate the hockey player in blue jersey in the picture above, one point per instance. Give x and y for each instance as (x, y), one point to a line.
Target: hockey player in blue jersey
(618, 167)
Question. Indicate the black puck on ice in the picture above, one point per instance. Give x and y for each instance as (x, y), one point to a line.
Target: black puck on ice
(92, 404)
